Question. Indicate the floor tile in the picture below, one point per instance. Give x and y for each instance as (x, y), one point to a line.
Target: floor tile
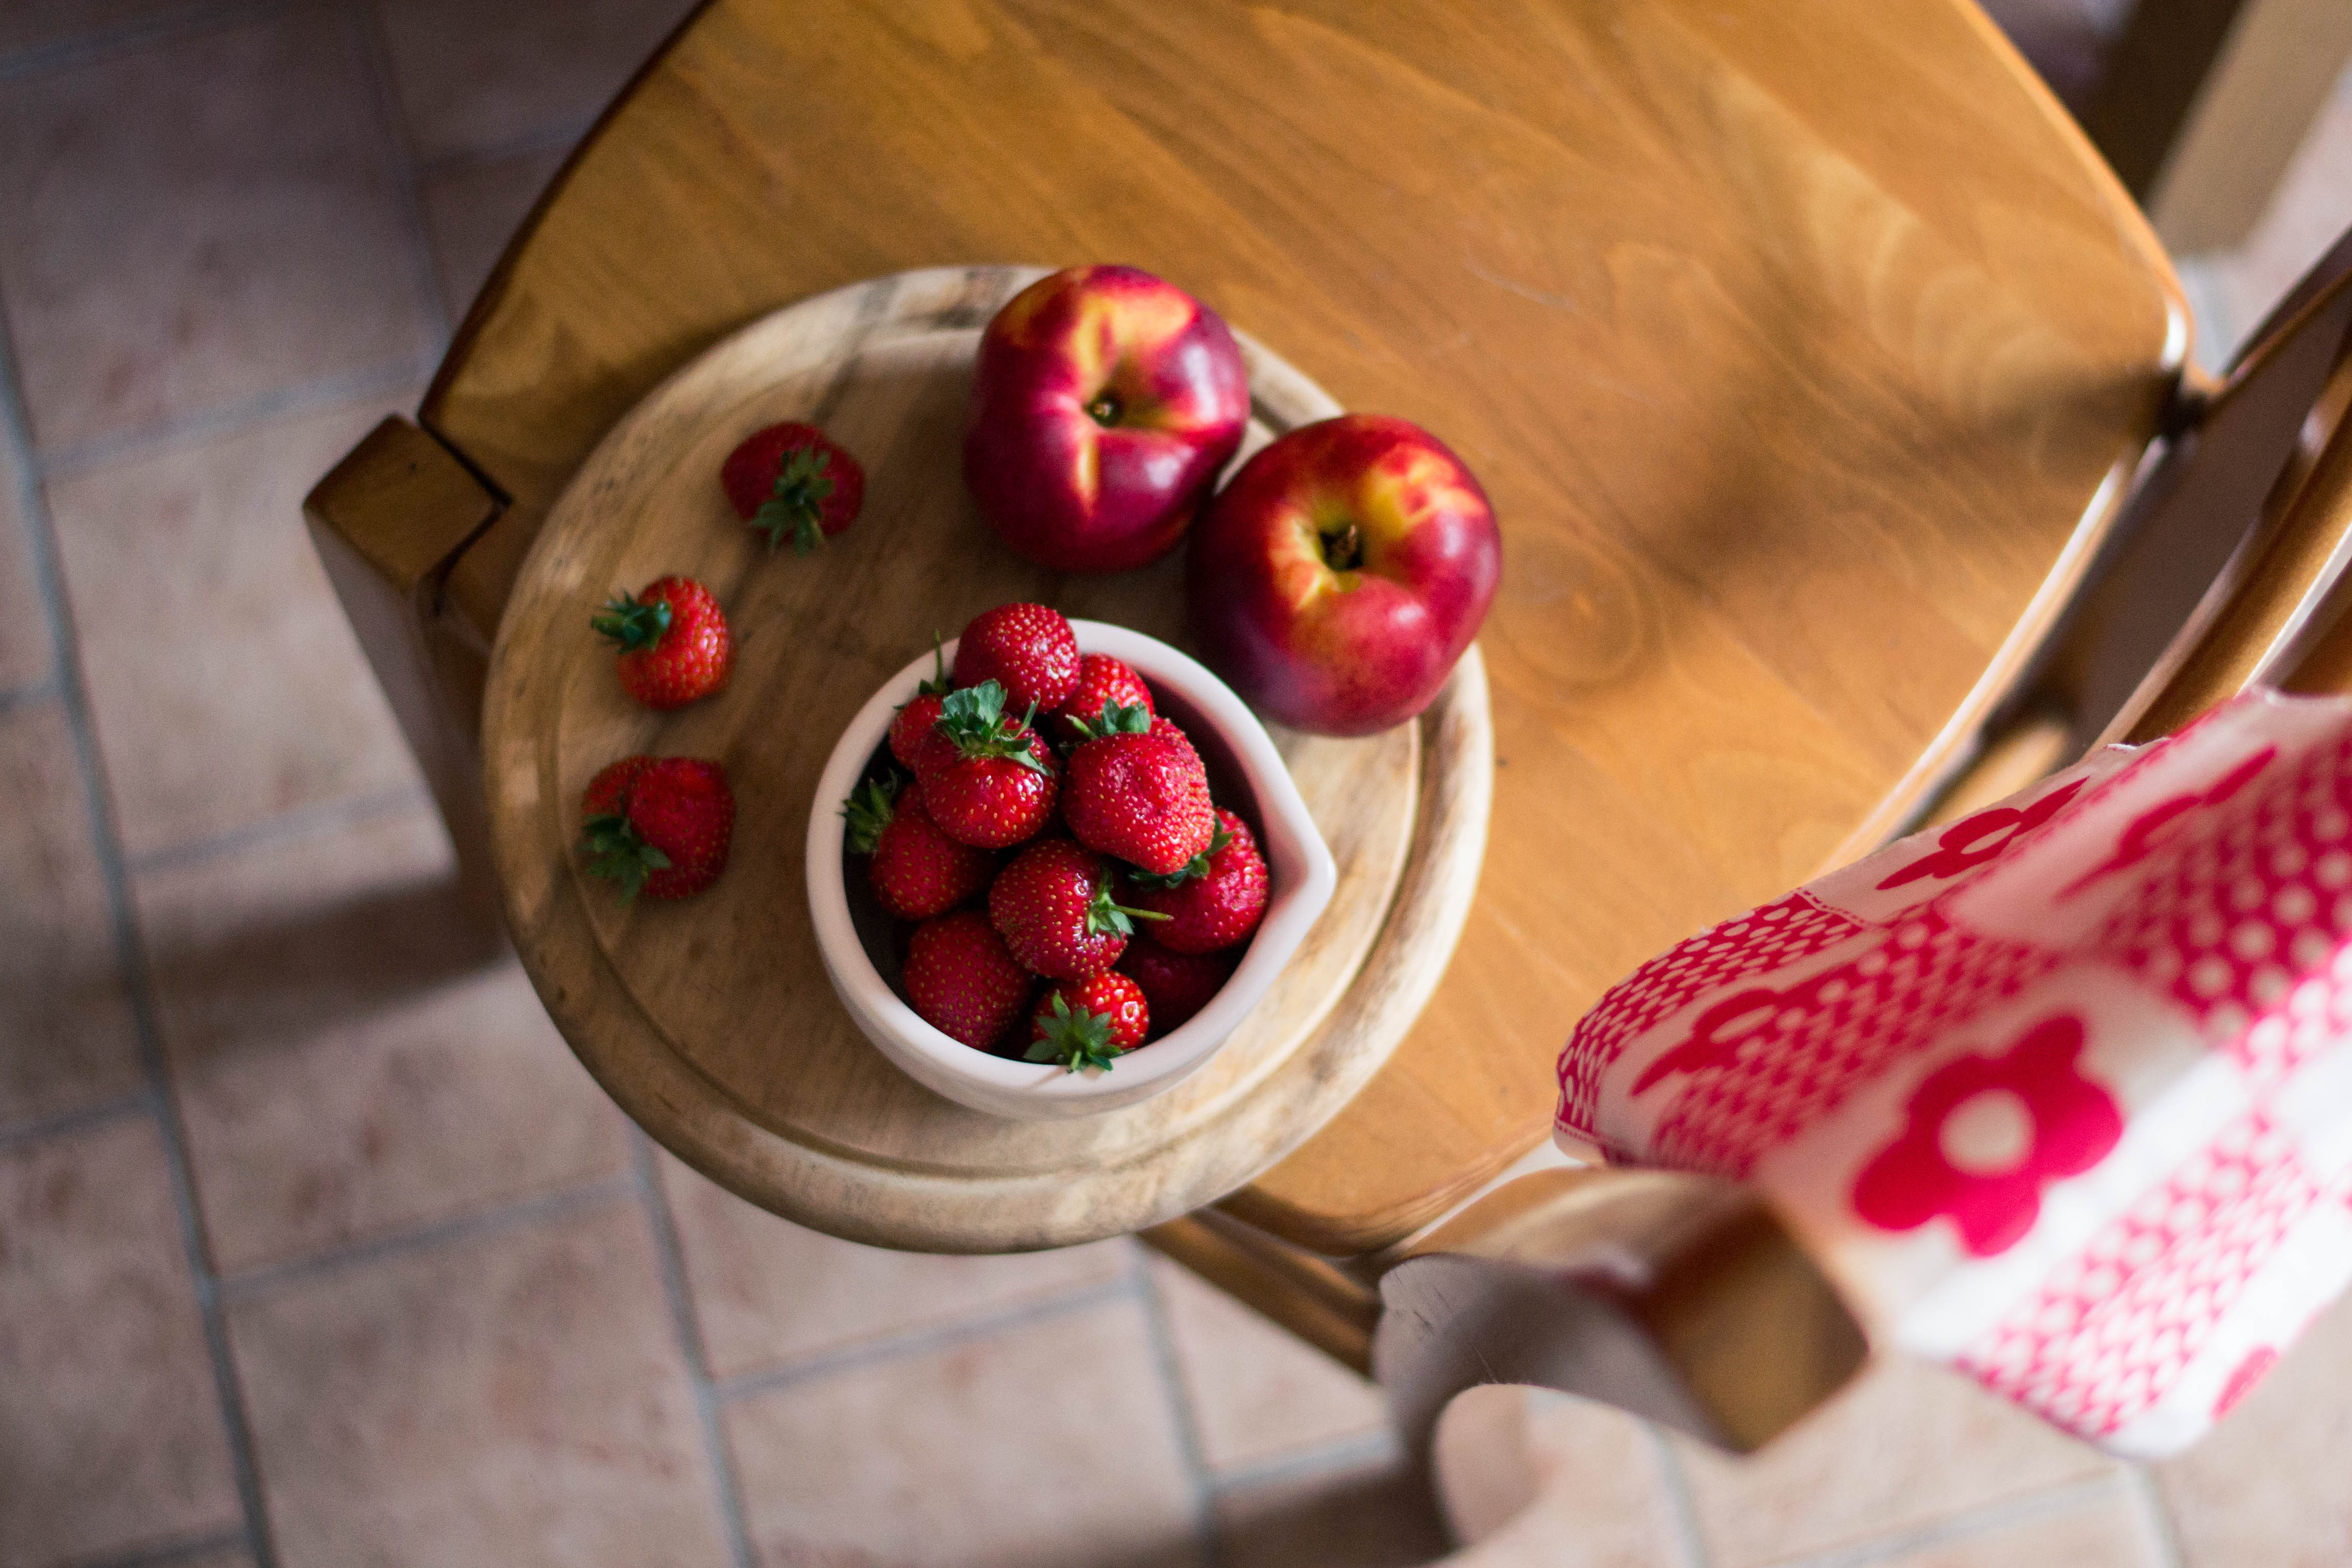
(2106, 1530)
(1375, 1517)
(1046, 1445)
(2270, 1485)
(1257, 1391)
(351, 1059)
(470, 213)
(1532, 1474)
(767, 1291)
(66, 1036)
(111, 1431)
(1907, 1444)
(26, 656)
(227, 683)
(198, 222)
(516, 1397)
(475, 78)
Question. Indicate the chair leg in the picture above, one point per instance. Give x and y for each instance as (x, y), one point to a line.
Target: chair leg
(386, 522)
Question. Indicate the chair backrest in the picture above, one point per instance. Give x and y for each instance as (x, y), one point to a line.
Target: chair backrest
(1802, 409)
(1679, 1297)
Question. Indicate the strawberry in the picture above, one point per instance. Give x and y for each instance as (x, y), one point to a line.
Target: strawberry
(674, 644)
(961, 980)
(658, 825)
(1138, 790)
(920, 712)
(792, 482)
(1027, 650)
(1213, 900)
(916, 870)
(1052, 907)
(1085, 1023)
(1101, 678)
(988, 779)
(1176, 985)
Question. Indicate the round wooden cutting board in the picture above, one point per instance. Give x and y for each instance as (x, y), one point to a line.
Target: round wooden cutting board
(710, 1020)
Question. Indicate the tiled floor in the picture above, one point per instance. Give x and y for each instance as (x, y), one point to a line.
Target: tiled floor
(316, 1246)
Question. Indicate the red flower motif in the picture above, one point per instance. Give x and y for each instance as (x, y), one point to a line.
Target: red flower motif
(2152, 826)
(1750, 1010)
(1973, 840)
(2074, 1123)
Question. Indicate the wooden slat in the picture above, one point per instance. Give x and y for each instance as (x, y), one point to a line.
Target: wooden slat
(1795, 343)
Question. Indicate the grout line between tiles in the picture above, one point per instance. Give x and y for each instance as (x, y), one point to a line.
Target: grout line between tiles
(2048, 1503)
(189, 21)
(687, 1326)
(2148, 1499)
(245, 1284)
(1345, 1454)
(1675, 1482)
(824, 1365)
(363, 36)
(65, 1123)
(106, 843)
(1180, 1414)
(33, 692)
(298, 822)
(234, 417)
(162, 1553)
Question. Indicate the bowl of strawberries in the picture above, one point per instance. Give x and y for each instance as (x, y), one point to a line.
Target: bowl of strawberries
(1054, 864)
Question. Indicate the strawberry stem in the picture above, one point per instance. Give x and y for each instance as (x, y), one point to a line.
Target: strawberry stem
(867, 812)
(1116, 717)
(795, 508)
(1079, 1039)
(1198, 865)
(632, 622)
(976, 720)
(615, 851)
(1104, 914)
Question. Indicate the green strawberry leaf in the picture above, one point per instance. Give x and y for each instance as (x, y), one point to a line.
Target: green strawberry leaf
(1116, 717)
(867, 812)
(1105, 916)
(976, 720)
(615, 852)
(1198, 865)
(1079, 1039)
(939, 684)
(795, 508)
(632, 622)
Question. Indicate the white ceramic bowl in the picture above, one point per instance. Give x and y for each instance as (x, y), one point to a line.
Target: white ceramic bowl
(1249, 778)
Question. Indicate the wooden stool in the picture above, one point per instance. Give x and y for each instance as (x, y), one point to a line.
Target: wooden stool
(1805, 413)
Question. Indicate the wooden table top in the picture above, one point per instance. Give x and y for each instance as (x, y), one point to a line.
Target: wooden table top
(1801, 345)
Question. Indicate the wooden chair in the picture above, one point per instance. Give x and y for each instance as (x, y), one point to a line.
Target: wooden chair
(1807, 415)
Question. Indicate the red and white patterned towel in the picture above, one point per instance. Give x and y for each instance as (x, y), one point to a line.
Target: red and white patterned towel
(2061, 1094)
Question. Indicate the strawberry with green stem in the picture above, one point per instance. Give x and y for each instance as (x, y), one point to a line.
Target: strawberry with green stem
(1087, 1022)
(1052, 906)
(989, 780)
(920, 712)
(916, 870)
(1212, 901)
(658, 825)
(1134, 787)
(792, 481)
(674, 642)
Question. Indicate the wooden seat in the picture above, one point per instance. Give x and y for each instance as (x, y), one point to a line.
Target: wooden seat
(1806, 350)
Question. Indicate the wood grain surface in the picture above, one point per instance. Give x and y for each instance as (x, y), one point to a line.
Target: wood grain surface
(711, 1019)
(1802, 347)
